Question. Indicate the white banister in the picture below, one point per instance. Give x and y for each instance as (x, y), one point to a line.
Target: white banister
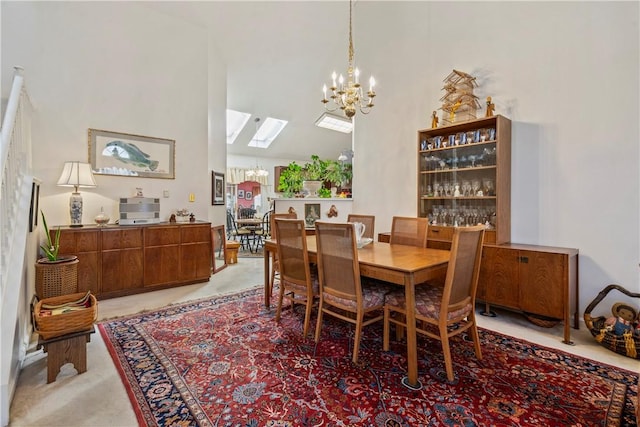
(15, 197)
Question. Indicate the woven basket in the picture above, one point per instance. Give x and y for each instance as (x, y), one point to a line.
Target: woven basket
(542, 321)
(627, 344)
(55, 278)
(62, 324)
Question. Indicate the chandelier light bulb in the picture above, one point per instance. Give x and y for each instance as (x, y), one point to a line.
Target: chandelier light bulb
(357, 74)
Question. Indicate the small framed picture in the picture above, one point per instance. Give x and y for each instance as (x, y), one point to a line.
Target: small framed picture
(248, 195)
(311, 214)
(217, 188)
(240, 194)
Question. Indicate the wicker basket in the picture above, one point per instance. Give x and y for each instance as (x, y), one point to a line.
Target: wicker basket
(55, 278)
(628, 344)
(62, 324)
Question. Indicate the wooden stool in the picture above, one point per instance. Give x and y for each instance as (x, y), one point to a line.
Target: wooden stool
(231, 252)
(70, 348)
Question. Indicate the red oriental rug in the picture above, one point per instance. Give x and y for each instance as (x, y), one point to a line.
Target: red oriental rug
(224, 362)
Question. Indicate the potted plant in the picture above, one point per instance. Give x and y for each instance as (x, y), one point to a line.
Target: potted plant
(338, 173)
(291, 179)
(55, 274)
(314, 173)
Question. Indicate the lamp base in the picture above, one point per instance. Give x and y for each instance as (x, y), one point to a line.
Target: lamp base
(75, 209)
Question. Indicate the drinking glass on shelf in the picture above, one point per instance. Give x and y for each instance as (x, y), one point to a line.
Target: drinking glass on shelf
(475, 186)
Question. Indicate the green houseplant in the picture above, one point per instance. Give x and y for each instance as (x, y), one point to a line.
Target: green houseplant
(338, 173)
(291, 179)
(53, 246)
(55, 274)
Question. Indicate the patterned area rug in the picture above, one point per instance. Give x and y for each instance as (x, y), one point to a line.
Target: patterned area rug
(224, 362)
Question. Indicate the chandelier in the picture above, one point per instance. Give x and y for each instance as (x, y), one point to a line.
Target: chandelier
(349, 96)
(257, 171)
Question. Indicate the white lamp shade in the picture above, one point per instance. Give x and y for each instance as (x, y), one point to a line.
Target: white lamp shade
(77, 174)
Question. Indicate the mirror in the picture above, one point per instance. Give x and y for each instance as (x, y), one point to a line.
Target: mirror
(218, 241)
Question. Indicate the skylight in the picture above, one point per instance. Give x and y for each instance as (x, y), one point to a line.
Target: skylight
(333, 122)
(269, 130)
(235, 122)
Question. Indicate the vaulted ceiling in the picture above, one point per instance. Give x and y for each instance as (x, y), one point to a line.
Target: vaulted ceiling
(278, 56)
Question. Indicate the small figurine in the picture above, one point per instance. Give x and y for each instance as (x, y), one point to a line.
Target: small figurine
(192, 218)
(172, 218)
(454, 107)
(333, 211)
(490, 107)
(624, 315)
(291, 210)
(434, 120)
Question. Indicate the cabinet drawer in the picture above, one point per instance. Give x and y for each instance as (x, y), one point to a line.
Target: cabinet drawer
(195, 233)
(159, 236)
(439, 233)
(121, 239)
(72, 242)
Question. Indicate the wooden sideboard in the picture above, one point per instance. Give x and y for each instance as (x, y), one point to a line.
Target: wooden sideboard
(537, 280)
(123, 260)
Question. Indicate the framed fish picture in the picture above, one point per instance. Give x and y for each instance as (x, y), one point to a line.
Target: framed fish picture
(123, 154)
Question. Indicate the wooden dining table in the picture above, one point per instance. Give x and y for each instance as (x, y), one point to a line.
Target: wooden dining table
(401, 265)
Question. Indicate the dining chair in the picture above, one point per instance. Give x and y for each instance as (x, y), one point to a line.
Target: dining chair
(369, 222)
(342, 294)
(445, 312)
(410, 231)
(263, 232)
(233, 232)
(275, 268)
(298, 280)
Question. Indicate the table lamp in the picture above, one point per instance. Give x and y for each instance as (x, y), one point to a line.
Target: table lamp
(76, 174)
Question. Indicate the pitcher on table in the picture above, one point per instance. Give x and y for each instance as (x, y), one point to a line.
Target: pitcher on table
(359, 229)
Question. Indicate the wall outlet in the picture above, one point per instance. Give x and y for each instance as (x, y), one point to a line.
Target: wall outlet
(165, 194)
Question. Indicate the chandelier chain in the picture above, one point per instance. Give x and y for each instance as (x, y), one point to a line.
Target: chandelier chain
(349, 96)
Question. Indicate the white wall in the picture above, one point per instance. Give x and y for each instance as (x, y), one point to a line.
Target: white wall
(565, 73)
(93, 65)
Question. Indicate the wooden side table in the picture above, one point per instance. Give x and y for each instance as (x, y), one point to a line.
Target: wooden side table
(70, 348)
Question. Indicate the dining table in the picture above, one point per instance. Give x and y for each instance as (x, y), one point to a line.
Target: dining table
(401, 265)
(253, 225)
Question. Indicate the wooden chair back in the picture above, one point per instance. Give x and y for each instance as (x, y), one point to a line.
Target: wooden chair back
(292, 251)
(274, 216)
(338, 268)
(461, 282)
(369, 222)
(410, 231)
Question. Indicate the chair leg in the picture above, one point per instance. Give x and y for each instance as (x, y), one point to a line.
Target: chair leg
(356, 341)
(279, 309)
(386, 327)
(319, 321)
(476, 340)
(448, 363)
(307, 317)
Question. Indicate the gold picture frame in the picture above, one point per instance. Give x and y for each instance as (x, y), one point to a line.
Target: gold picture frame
(124, 154)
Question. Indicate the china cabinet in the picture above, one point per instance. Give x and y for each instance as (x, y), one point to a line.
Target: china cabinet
(464, 178)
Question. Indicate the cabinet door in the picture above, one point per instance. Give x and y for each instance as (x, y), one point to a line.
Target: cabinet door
(83, 244)
(195, 261)
(498, 282)
(161, 265)
(195, 252)
(121, 270)
(121, 260)
(543, 283)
